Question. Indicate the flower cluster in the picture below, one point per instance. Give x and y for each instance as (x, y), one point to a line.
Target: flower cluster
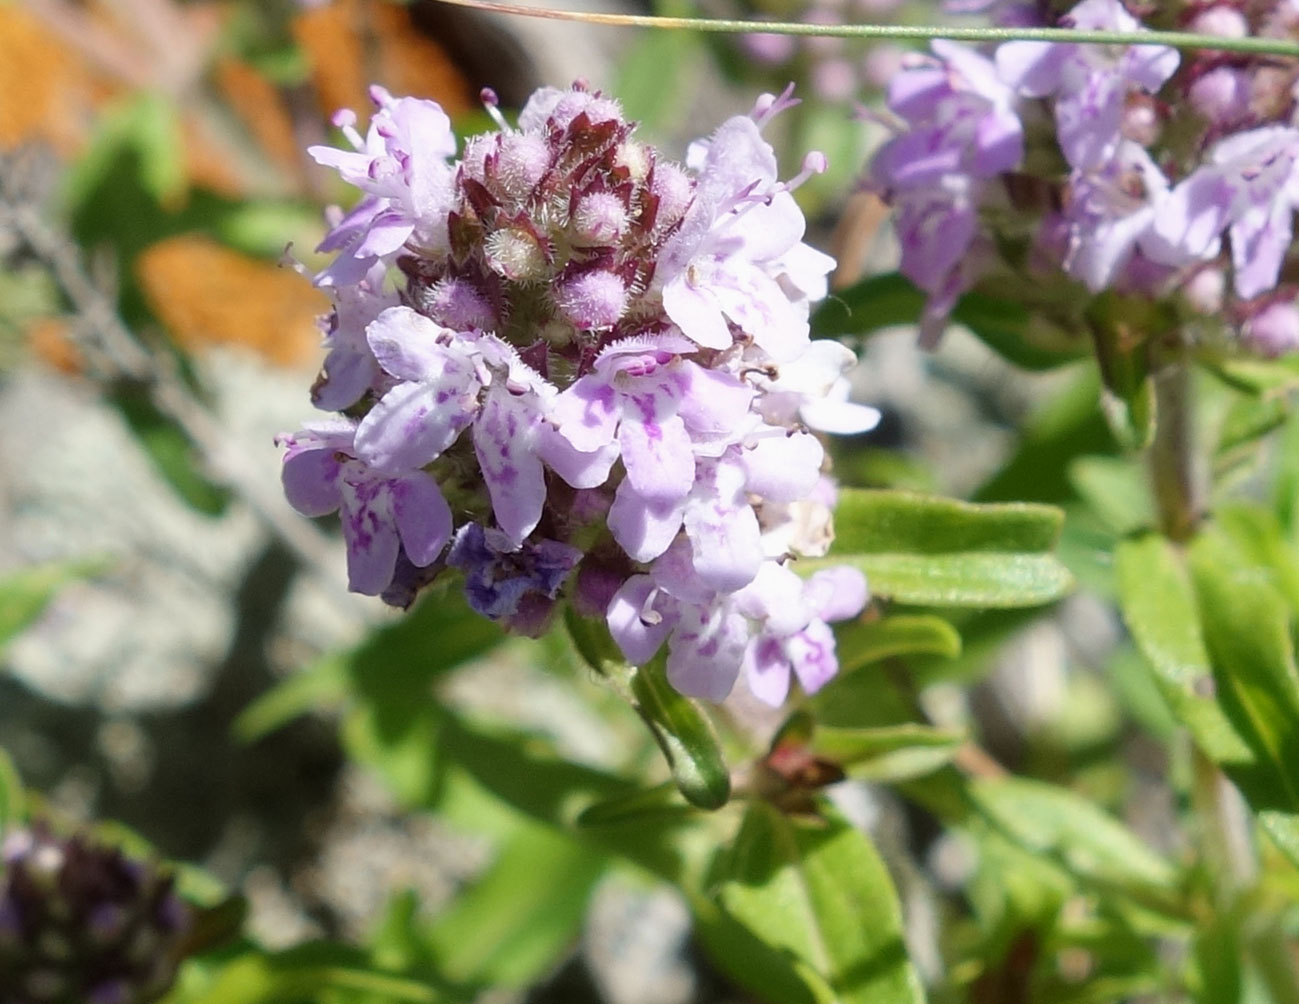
(1169, 178)
(595, 382)
(83, 924)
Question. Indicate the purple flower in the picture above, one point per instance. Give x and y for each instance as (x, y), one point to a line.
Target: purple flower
(514, 585)
(1110, 211)
(401, 165)
(1091, 83)
(775, 626)
(1249, 188)
(962, 130)
(382, 513)
(350, 369)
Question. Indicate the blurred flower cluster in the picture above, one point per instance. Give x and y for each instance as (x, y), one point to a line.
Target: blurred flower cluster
(596, 379)
(82, 923)
(1168, 178)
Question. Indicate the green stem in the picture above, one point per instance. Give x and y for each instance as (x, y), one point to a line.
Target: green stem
(903, 32)
(1175, 466)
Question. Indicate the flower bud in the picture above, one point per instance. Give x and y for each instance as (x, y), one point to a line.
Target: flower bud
(517, 254)
(1274, 330)
(600, 218)
(592, 300)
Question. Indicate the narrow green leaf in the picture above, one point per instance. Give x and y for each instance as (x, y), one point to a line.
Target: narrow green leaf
(1250, 419)
(1247, 631)
(24, 594)
(659, 803)
(1116, 490)
(1121, 327)
(678, 724)
(1160, 609)
(979, 579)
(887, 753)
(514, 923)
(293, 976)
(1256, 532)
(817, 890)
(893, 522)
(1082, 838)
(11, 794)
(1022, 336)
(685, 735)
(861, 643)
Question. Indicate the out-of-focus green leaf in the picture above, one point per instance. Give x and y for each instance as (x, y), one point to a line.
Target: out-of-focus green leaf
(1258, 535)
(1016, 333)
(981, 579)
(864, 642)
(1248, 420)
(1116, 490)
(1159, 607)
(513, 924)
(299, 975)
(817, 890)
(147, 125)
(1075, 833)
(657, 73)
(878, 301)
(779, 976)
(887, 753)
(678, 724)
(1258, 376)
(656, 804)
(24, 594)
(890, 522)
(393, 667)
(1247, 633)
(11, 794)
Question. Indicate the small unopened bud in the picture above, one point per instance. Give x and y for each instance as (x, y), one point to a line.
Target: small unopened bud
(1222, 20)
(1141, 120)
(457, 304)
(1222, 95)
(516, 254)
(635, 158)
(674, 190)
(600, 218)
(592, 300)
(1205, 290)
(521, 162)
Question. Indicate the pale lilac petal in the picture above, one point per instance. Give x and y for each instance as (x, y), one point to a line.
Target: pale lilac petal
(696, 313)
(581, 470)
(657, 453)
(705, 652)
(411, 426)
(715, 404)
(776, 598)
(766, 670)
(843, 418)
(783, 468)
(726, 540)
(636, 627)
(311, 481)
(643, 528)
(505, 443)
(422, 515)
(1034, 69)
(587, 414)
(836, 594)
(349, 371)
(371, 537)
(812, 654)
(1259, 241)
(406, 344)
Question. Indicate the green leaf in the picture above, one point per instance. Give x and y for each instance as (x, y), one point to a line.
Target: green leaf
(661, 802)
(678, 724)
(983, 579)
(514, 923)
(878, 301)
(892, 522)
(393, 669)
(170, 450)
(1160, 609)
(24, 594)
(817, 891)
(861, 643)
(1116, 490)
(941, 552)
(148, 127)
(656, 75)
(12, 798)
(1060, 825)
(301, 974)
(1121, 327)
(1248, 420)
(887, 753)
(1247, 632)
(1017, 334)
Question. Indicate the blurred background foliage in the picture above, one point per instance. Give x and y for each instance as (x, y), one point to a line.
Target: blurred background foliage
(364, 808)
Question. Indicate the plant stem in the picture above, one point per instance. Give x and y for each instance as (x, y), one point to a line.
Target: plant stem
(902, 32)
(1176, 469)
